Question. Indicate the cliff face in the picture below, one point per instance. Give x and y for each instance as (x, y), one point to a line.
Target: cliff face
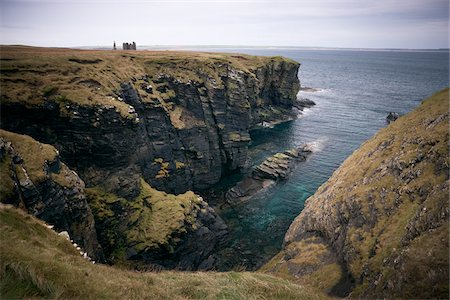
(34, 178)
(382, 216)
(131, 124)
(180, 120)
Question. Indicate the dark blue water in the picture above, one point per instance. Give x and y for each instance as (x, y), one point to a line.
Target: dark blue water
(357, 90)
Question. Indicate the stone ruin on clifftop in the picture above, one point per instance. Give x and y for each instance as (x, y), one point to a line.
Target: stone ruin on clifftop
(126, 46)
(129, 46)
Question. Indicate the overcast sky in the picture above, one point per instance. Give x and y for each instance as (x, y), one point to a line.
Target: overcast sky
(311, 23)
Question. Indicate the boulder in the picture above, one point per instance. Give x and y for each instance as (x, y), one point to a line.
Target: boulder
(392, 116)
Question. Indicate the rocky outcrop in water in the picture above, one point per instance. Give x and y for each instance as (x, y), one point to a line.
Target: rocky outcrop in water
(34, 179)
(383, 216)
(303, 103)
(275, 168)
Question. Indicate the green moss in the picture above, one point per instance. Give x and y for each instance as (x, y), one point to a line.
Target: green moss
(234, 136)
(164, 168)
(281, 156)
(49, 91)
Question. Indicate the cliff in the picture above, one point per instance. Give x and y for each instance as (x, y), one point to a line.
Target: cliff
(37, 263)
(136, 125)
(179, 119)
(378, 228)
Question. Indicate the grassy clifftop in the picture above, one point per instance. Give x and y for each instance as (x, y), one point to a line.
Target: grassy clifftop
(36, 262)
(33, 75)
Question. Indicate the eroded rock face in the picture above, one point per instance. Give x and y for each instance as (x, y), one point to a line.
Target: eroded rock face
(384, 213)
(34, 178)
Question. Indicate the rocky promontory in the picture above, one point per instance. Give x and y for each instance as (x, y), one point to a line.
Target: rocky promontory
(141, 130)
(379, 227)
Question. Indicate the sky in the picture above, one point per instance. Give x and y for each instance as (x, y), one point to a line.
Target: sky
(416, 24)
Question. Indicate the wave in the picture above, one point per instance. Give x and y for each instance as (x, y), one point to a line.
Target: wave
(318, 145)
(306, 112)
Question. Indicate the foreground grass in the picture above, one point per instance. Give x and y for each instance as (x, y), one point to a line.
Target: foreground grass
(37, 263)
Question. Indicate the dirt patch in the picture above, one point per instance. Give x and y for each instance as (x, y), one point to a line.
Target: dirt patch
(85, 61)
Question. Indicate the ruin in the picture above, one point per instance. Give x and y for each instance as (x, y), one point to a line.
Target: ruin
(129, 46)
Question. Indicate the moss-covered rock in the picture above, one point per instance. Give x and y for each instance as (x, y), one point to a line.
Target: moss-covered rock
(155, 227)
(273, 169)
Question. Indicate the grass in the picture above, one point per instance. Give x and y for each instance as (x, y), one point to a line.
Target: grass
(37, 263)
(309, 257)
(34, 154)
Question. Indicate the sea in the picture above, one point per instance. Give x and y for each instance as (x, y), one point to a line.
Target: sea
(354, 90)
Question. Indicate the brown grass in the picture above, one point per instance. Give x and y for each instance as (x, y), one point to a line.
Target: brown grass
(37, 263)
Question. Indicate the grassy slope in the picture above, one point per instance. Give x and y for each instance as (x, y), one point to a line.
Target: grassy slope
(92, 77)
(389, 203)
(36, 262)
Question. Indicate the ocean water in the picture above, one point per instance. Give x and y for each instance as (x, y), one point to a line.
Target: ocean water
(357, 89)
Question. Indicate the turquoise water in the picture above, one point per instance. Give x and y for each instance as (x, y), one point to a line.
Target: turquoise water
(357, 90)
